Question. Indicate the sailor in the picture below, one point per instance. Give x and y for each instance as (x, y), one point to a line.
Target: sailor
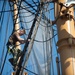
(12, 47)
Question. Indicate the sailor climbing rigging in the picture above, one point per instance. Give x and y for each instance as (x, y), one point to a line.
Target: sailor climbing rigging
(12, 47)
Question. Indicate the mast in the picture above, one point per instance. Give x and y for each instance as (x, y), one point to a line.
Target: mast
(66, 36)
(16, 21)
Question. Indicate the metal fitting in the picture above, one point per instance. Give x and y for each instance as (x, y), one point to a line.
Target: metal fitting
(69, 4)
(66, 14)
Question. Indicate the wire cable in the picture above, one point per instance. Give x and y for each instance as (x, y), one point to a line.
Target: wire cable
(31, 72)
(34, 2)
(45, 40)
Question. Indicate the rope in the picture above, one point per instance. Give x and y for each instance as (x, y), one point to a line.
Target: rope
(30, 71)
(45, 40)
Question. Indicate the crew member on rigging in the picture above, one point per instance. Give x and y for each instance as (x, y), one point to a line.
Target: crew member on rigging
(12, 47)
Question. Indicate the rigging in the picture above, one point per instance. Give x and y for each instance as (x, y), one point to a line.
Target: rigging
(29, 10)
